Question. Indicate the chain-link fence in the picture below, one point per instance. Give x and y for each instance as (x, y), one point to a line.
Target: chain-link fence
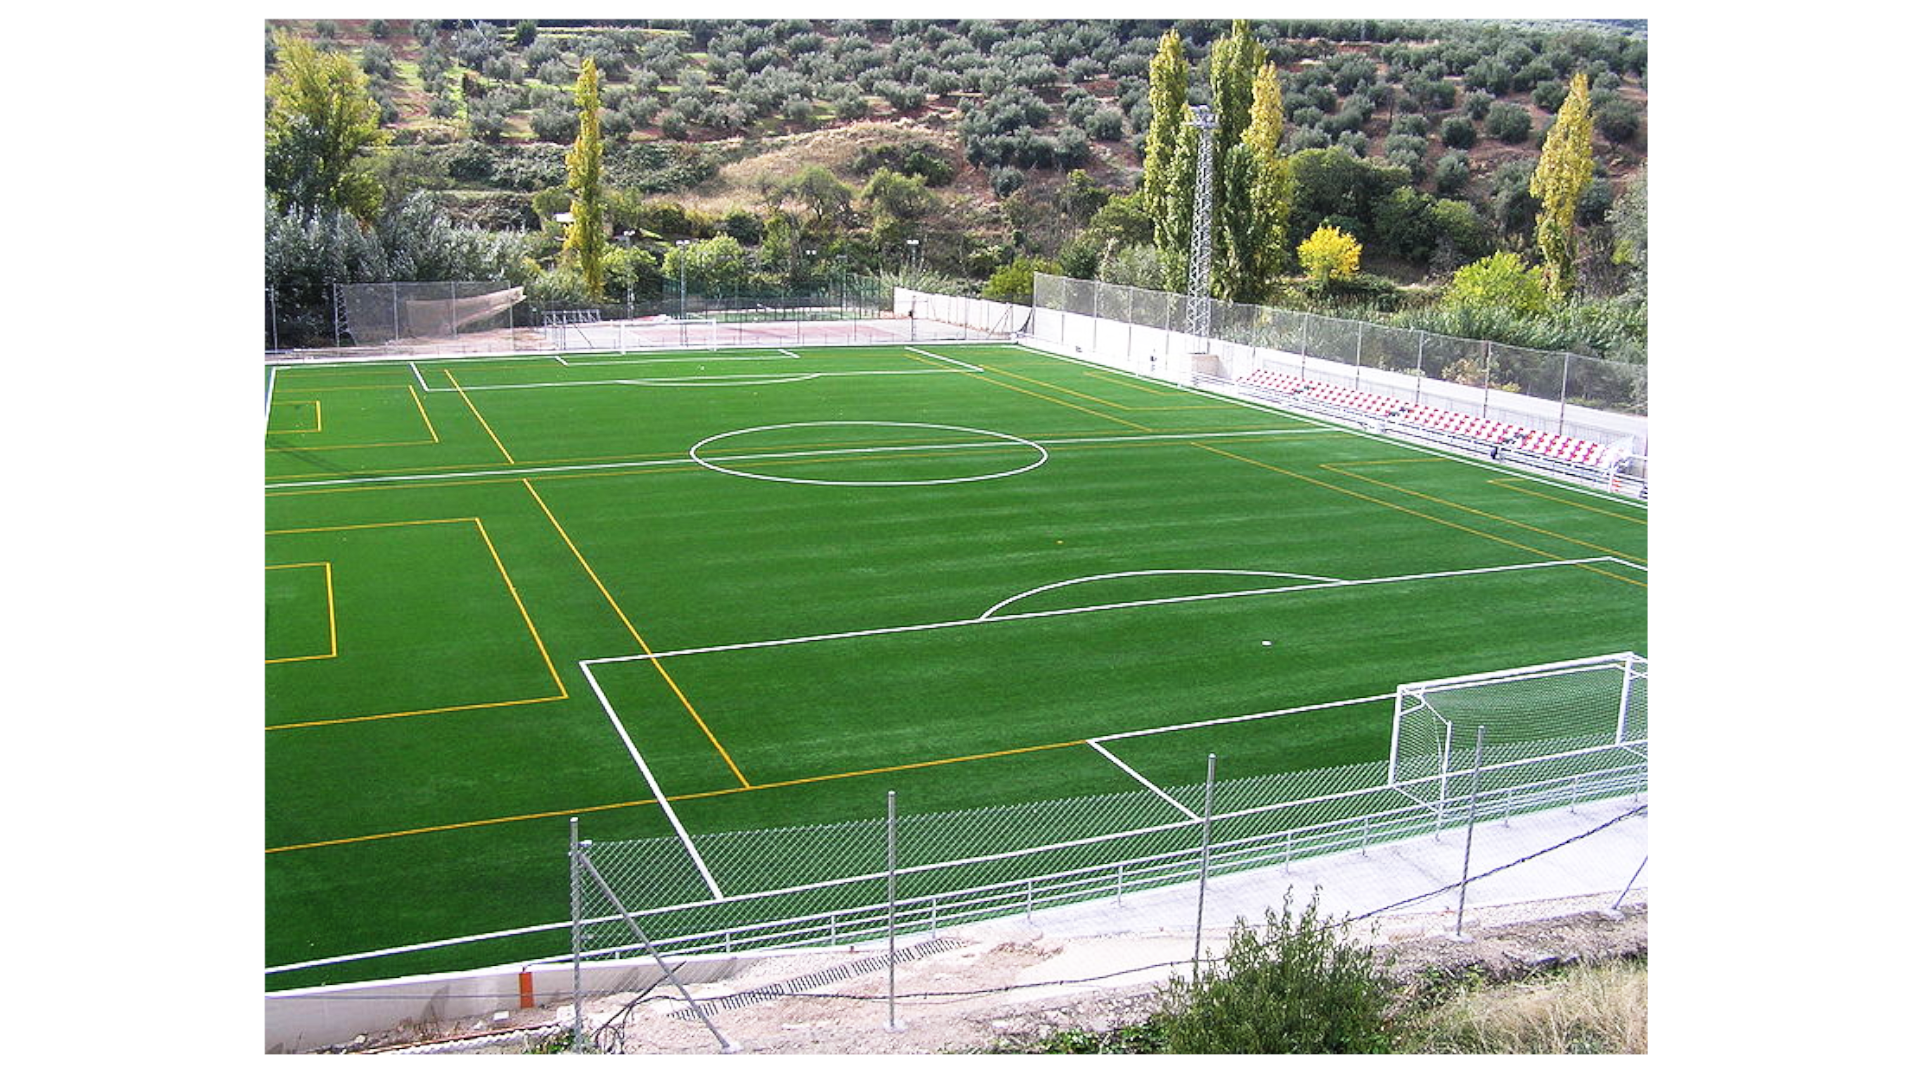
(1562, 378)
(495, 317)
(1558, 412)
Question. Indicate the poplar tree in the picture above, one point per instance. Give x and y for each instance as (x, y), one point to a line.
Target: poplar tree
(1167, 93)
(1231, 68)
(1173, 229)
(1255, 199)
(586, 242)
(1561, 177)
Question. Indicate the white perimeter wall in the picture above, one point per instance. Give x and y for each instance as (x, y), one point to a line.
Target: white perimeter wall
(1163, 354)
(304, 1020)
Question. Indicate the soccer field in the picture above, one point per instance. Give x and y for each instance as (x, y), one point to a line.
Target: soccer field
(749, 589)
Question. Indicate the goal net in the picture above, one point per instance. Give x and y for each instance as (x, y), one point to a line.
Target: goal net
(1531, 724)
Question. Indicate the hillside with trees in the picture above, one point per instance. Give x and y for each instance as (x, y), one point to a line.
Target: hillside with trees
(1486, 179)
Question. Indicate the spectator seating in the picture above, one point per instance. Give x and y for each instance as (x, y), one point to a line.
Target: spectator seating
(1492, 437)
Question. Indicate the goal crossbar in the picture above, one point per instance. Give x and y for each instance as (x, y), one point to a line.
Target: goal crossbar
(1529, 718)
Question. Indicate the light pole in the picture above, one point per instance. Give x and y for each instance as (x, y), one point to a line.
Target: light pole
(913, 254)
(1200, 249)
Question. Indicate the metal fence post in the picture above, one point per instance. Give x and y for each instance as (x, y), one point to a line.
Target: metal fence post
(1206, 845)
(573, 868)
(1466, 862)
(893, 1023)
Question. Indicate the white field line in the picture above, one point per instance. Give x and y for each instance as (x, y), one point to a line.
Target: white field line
(1443, 453)
(990, 612)
(537, 469)
(687, 380)
(951, 623)
(399, 950)
(273, 373)
(775, 354)
(961, 364)
(660, 796)
(1144, 782)
(1243, 718)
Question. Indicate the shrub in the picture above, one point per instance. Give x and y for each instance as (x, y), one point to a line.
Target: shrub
(1458, 132)
(1295, 987)
(1106, 125)
(1617, 120)
(377, 61)
(1450, 176)
(555, 125)
(1509, 123)
(1013, 283)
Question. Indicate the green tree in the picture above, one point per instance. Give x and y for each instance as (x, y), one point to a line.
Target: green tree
(1167, 95)
(586, 244)
(1499, 281)
(821, 192)
(1330, 254)
(893, 197)
(1561, 177)
(322, 125)
(1256, 201)
(1232, 67)
(1628, 220)
(1013, 283)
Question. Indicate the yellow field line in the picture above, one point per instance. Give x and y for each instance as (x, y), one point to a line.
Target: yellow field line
(457, 825)
(543, 814)
(512, 591)
(1054, 400)
(422, 406)
(1472, 510)
(333, 638)
(644, 647)
(317, 427)
(1111, 404)
(515, 592)
(368, 525)
(414, 712)
(889, 769)
(1515, 486)
(1413, 512)
(476, 415)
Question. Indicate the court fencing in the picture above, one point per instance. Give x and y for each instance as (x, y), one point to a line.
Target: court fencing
(1143, 332)
(1148, 868)
(496, 318)
(893, 877)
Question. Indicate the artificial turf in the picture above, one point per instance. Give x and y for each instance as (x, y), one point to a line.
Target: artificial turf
(936, 571)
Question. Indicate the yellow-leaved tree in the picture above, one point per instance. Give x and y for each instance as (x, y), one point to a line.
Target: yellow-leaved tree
(1561, 177)
(586, 243)
(1330, 254)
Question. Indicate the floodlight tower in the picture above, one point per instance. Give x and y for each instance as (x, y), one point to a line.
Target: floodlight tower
(1200, 249)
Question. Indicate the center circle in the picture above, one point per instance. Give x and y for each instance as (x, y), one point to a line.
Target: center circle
(732, 468)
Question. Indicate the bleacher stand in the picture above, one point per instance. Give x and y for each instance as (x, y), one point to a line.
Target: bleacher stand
(1495, 439)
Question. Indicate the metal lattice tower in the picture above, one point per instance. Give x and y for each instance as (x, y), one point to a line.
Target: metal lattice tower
(1200, 248)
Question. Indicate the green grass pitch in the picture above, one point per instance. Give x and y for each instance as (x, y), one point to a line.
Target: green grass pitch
(790, 581)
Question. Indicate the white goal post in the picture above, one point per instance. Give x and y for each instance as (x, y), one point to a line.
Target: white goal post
(1533, 722)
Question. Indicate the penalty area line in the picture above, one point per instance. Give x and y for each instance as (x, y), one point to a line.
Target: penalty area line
(647, 774)
(1144, 782)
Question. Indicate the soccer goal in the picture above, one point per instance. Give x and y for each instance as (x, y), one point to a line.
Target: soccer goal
(1531, 724)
